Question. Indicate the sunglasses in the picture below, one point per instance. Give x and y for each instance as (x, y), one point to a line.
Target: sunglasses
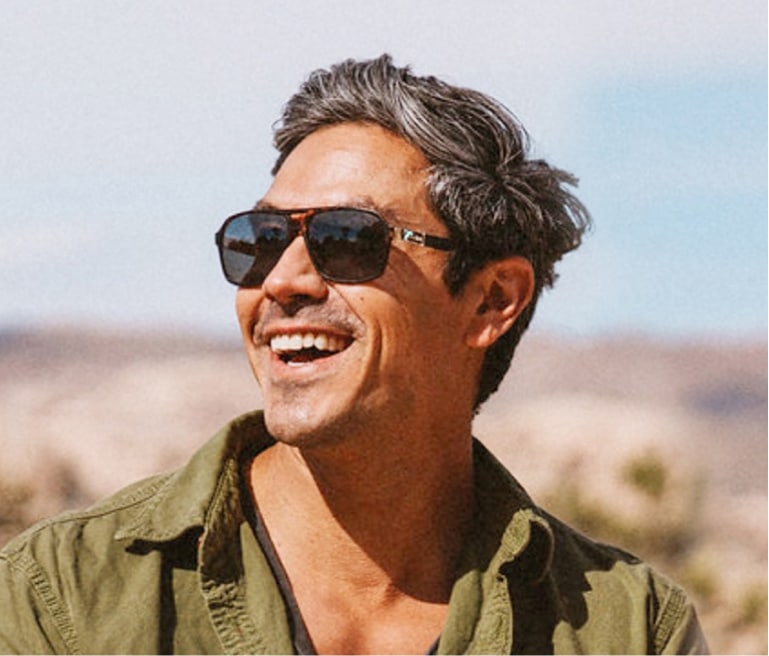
(345, 244)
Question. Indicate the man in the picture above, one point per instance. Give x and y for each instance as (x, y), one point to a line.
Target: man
(384, 281)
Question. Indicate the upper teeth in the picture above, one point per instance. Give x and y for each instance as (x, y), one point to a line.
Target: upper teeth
(299, 341)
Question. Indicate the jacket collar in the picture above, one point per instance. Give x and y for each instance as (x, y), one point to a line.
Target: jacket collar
(507, 521)
(511, 545)
(184, 500)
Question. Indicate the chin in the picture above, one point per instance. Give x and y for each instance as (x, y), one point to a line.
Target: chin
(306, 424)
(301, 426)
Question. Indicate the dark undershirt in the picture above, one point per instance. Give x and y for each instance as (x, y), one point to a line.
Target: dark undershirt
(299, 634)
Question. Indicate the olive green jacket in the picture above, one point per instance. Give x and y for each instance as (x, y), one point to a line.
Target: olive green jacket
(170, 565)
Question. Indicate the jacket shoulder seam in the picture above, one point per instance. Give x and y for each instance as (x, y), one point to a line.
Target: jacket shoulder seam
(671, 611)
(35, 576)
(120, 501)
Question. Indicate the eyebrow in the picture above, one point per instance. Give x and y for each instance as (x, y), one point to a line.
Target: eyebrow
(357, 202)
(390, 215)
(264, 205)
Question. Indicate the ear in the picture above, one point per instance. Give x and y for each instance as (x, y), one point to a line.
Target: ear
(500, 291)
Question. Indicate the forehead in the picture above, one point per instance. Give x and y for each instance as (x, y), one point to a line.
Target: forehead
(336, 165)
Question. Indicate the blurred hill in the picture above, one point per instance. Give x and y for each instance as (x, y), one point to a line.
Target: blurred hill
(659, 446)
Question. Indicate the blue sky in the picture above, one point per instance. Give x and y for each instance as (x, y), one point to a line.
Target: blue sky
(132, 129)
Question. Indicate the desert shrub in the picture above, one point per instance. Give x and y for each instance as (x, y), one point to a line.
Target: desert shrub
(647, 474)
(651, 512)
(23, 502)
(698, 576)
(752, 606)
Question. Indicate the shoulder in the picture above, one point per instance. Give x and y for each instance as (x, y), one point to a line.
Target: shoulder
(105, 566)
(75, 552)
(53, 574)
(157, 510)
(97, 524)
(584, 596)
(609, 594)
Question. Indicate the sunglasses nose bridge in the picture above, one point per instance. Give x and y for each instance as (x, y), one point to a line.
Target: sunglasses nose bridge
(298, 226)
(301, 217)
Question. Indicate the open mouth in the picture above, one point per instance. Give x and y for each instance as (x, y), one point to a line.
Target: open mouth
(300, 348)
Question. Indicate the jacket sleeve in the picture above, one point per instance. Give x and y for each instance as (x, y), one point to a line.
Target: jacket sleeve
(33, 620)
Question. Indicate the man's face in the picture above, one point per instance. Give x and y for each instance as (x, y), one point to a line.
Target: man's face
(387, 351)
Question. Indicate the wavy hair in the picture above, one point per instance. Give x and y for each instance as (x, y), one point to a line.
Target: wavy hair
(495, 201)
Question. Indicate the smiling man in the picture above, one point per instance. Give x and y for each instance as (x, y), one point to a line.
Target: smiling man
(384, 280)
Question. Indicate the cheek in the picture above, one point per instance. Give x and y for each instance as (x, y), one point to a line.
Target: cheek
(408, 313)
(387, 322)
(411, 329)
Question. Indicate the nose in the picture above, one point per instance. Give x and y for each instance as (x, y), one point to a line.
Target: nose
(294, 276)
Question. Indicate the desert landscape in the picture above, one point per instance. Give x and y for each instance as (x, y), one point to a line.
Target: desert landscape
(660, 447)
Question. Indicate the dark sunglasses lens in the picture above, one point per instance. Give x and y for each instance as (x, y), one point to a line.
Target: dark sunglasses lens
(348, 245)
(251, 245)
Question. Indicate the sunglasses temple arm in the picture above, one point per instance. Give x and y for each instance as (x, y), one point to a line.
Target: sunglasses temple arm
(423, 239)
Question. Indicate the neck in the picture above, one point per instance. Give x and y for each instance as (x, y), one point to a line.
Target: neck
(388, 515)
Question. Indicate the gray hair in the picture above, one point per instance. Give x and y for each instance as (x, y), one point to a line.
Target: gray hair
(495, 201)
